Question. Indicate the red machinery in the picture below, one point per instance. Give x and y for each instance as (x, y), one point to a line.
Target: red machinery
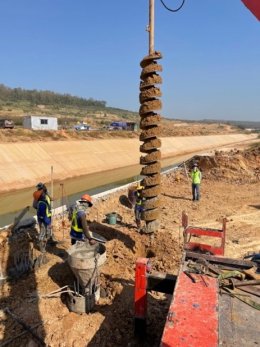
(194, 314)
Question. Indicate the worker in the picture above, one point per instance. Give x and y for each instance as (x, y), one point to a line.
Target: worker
(195, 179)
(132, 195)
(42, 203)
(79, 227)
(139, 205)
(41, 190)
(44, 221)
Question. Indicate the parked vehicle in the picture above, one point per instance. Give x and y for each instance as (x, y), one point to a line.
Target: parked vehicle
(6, 124)
(132, 126)
(118, 126)
(80, 127)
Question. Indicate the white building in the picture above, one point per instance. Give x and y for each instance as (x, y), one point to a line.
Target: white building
(40, 123)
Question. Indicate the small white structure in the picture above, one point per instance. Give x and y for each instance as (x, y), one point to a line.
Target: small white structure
(40, 123)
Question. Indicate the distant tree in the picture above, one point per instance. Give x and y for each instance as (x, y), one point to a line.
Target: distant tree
(47, 97)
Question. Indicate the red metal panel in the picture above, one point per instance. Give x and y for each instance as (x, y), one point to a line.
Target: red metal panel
(202, 247)
(140, 305)
(192, 319)
(206, 232)
(253, 6)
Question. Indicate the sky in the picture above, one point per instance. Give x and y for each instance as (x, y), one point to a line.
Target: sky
(93, 49)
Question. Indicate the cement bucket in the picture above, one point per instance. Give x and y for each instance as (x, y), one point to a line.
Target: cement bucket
(85, 261)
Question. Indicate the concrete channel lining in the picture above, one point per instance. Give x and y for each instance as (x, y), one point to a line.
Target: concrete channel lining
(22, 164)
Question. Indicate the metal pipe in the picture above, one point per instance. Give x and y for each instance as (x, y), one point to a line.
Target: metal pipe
(246, 283)
(151, 27)
(51, 187)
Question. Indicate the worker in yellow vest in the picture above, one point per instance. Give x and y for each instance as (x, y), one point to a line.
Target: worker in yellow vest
(79, 227)
(44, 220)
(42, 203)
(39, 193)
(139, 205)
(196, 180)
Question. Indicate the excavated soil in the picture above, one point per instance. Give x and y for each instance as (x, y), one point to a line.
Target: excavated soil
(230, 188)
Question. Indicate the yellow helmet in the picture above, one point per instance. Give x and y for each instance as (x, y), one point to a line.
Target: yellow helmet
(139, 186)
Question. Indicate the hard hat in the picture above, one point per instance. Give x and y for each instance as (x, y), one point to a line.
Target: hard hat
(86, 198)
(40, 185)
(139, 186)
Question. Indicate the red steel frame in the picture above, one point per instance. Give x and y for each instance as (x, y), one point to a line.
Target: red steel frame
(253, 6)
(192, 319)
(198, 231)
(140, 295)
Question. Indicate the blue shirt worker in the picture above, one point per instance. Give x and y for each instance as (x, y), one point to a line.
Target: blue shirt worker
(79, 227)
(41, 190)
(196, 180)
(139, 205)
(44, 221)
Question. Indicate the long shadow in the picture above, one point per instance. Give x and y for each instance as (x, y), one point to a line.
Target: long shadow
(15, 295)
(61, 274)
(110, 233)
(117, 328)
(176, 197)
(255, 206)
(56, 250)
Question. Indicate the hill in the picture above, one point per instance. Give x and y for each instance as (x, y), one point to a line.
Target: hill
(17, 102)
(70, 110)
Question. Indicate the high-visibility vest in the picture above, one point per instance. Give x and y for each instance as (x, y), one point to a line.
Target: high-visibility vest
(139, 199)
(74, 222)
(196, 177)
(48, 212)
(48, 199)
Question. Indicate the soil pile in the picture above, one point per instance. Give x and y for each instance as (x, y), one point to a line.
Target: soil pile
(234, 166)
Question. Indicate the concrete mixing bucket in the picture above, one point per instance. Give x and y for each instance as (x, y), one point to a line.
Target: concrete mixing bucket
(84, 260)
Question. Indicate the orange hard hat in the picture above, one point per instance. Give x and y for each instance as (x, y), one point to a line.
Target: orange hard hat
(86, 198)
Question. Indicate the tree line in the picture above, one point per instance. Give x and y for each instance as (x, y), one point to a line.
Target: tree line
(46, 97)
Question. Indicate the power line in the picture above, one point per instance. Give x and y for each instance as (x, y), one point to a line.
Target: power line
(173, 10)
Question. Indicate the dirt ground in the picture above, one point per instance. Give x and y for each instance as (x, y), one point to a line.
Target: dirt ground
(230, 188)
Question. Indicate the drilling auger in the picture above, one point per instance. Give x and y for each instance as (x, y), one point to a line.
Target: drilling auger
(150, 126)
